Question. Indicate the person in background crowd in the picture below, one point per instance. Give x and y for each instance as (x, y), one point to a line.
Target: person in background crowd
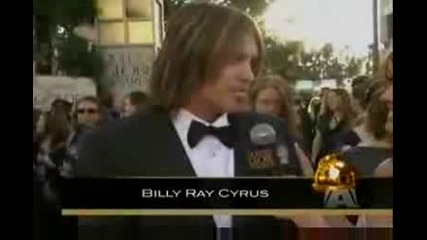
(315, 103)
(299, 109)
(61, 106)
(313, 108)
(272, 95)
(51, 132)
(359, 101)
(385, 169)
(36, 116)
(134, 102)
(365, 157)
(376, 145)
(306, 122)
(45, 213)
(109, 112)
(323, 92)
(52, 152)
(335, 117)
(89, 114)
(310, 117)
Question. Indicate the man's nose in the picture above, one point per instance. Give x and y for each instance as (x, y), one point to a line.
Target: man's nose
(247, 72)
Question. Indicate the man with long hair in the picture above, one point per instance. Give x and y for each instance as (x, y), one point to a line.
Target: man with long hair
(197, 125)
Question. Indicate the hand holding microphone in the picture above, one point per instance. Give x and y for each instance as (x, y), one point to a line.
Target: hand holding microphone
(264, 136)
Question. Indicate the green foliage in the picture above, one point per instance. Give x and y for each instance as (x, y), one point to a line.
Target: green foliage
(66, 12)
(283, 58)
(76, 56)
(292, 62)
(354, 66)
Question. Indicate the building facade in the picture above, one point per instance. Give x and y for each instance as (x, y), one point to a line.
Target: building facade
(386, 25)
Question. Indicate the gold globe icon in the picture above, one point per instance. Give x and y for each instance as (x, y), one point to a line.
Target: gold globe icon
(333, 173)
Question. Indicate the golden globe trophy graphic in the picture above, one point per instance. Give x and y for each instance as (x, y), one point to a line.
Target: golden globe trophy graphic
(336, 179)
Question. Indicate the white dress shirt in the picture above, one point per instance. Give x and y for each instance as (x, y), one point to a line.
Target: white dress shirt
(209, 158)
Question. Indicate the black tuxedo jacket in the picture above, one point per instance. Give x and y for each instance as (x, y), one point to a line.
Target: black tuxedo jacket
(148, 145)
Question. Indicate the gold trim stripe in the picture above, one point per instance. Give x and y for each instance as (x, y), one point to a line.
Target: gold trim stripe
(242, 212)
(221, 178)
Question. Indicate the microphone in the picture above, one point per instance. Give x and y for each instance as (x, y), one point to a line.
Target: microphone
(263, 134)
(264, 138)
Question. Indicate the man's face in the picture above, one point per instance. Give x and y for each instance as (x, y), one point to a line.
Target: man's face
(228, 91)
(88, 114)
(128, 108)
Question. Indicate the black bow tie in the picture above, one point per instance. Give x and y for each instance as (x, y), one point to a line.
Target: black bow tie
(198, 130)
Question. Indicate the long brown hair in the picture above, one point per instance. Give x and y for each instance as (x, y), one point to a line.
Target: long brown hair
(57, 129)
(377, 111)
(287, 109)
(386, 68)
(345, 106)
(200, 39)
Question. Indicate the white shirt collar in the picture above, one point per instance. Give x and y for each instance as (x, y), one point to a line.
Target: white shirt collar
(182, 119)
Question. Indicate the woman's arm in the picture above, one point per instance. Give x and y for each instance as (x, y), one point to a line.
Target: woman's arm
(317, 145)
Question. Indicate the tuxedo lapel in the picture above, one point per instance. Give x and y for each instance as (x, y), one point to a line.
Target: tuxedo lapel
(242, 144)
(178, 164)
(172, 159)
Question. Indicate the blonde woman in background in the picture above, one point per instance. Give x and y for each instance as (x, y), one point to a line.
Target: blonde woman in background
(272, 95)
(335, 117)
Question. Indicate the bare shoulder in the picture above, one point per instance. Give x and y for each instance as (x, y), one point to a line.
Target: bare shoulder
(385, 169)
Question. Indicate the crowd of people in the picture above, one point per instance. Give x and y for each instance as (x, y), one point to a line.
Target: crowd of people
(56, 136)
(356, 123)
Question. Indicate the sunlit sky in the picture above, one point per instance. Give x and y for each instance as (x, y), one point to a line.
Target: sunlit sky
(316, 22)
